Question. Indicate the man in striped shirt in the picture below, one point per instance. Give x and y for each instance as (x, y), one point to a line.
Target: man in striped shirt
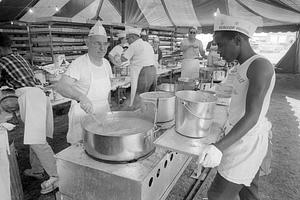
(35, 112)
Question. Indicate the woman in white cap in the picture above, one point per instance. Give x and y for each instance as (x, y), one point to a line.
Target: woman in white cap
(115, 54)
(87, 82)
(142, 70)
(240, 153)
(157, 51)
(192, 48)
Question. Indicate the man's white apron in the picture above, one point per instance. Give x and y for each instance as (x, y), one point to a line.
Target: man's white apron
(36, 113)
(241, 161)
(134, 74)
(156, 64)
(98, 94)
(190, 68)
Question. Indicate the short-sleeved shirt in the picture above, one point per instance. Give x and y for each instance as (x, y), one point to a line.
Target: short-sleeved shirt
(16, 72)
(140, 53)
(79, 70)
(192, 52)
(117, 50)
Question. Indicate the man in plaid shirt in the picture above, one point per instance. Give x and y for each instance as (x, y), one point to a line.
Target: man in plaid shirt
(35, 112)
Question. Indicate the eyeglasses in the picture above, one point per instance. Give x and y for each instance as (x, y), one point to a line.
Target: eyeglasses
(192, 32)
(100, 44)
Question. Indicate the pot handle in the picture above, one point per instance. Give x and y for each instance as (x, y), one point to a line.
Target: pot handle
(155, 103)
(153, 133)
(189, 109)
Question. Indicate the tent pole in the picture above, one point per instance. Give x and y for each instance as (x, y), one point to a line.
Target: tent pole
(97, 17)
(123, 12)
(297, 58)
(167, 12)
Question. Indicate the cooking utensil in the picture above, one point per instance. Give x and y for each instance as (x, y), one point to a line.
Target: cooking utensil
(194, 112)
(97, 120)
(165, 109)
(125, 136)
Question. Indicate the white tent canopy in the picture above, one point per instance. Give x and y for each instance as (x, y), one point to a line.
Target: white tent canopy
(179, 13)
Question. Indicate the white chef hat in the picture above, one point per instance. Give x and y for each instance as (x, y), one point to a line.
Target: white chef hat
(132, 30)
(193, 27)
(121, 35)
(97, 29)
(230, 23)
(156, 38)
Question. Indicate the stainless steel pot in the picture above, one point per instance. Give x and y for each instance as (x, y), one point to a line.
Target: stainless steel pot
(194, 112)
(166, 87)
(123, 137)
(186, 84)
(165, 108)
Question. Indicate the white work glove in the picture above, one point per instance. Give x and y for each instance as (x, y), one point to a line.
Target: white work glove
(211, 156)
(86, 104)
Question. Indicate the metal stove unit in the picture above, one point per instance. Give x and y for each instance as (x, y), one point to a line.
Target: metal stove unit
(152, 178)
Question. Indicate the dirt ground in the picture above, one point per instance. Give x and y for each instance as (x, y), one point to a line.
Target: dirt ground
(282, 184)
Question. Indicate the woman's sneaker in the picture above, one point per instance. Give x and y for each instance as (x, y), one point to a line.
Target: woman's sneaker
(49, 185)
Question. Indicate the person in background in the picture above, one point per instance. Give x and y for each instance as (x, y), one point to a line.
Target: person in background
(240, 153)
(144, 35)
(142, 70)
(157, 51)
(87, 82)
(115, 54)
(5, 185)
(35, 111)
(213, 55)
(192, 49)
(211, 45)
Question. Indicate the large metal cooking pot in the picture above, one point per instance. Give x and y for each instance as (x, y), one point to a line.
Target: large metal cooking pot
(184, 83)
(165, 108)
(166, 87)
(122, 136)
(194, 112)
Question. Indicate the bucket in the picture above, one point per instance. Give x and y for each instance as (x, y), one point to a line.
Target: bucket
(194, 113)
(15, 180)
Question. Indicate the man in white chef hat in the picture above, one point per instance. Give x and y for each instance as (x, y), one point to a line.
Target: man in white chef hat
(240, 153)
(87, 82)
(115, 54)
(157, 51)
(142, 70)
(144, 35)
